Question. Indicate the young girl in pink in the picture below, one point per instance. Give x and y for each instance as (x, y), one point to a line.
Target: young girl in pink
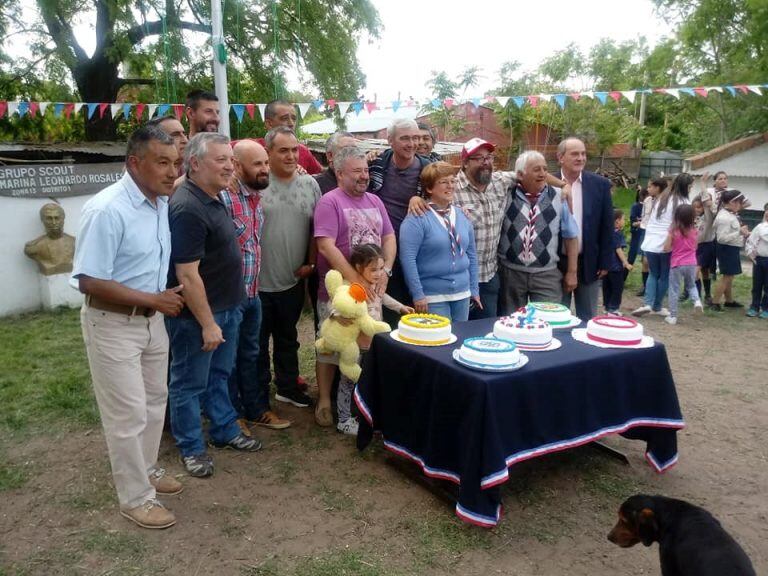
(682, 241)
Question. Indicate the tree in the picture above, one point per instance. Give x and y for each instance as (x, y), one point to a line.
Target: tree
(146, 43)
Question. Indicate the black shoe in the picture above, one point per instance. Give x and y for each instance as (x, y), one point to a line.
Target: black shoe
(733, 304)
(715, 307)
(240, 442)
(295, 397)
(708, 300)
(684, 296)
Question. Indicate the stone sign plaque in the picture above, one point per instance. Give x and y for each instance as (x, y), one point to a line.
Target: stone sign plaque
(57, 180)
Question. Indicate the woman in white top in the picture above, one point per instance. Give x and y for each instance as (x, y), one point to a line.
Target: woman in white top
(655, 188)
(653, 244)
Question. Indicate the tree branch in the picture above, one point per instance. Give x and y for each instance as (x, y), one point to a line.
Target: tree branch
(135, 82)
(62, 34)
(155, 28)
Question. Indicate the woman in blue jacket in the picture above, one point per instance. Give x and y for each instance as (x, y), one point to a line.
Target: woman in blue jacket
(437, 250)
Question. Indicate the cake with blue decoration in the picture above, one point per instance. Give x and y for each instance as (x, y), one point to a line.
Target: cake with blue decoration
(525, 330)
(489, 353)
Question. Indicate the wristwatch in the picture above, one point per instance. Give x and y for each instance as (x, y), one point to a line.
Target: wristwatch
(388, 271)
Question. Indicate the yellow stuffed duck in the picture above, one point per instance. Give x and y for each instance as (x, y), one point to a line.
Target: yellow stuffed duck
(348, 302)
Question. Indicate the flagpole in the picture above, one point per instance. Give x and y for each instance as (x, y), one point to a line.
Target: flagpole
(220, 64)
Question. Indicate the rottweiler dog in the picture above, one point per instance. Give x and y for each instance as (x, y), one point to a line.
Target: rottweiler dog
(691, 540)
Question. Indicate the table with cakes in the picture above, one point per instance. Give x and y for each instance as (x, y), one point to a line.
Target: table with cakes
(467, 401)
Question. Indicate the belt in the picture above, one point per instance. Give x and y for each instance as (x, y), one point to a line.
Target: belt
(106, 306)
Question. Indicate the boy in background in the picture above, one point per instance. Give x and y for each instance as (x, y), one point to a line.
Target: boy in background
(613, 282)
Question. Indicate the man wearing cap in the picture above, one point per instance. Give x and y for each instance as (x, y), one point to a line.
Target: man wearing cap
(482, 193)
(593, 213)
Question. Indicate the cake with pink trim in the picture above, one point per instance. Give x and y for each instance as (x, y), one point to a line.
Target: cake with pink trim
(615, 331)
(528, 332)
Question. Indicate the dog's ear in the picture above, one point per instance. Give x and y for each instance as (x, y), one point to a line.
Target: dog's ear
(647, 526)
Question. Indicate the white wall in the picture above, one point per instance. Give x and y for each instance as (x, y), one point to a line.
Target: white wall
(20, 223)
(756, 189)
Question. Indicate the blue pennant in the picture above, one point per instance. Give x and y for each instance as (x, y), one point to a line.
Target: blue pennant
(560, 99)
(731, 89)
(239, 110)
(317, 104)
(162, 110)
(476, 102)
(688, 91)
(92, 106)
(518, 100)
(395, 105)
(357, 107)
(58, 108)
(23, 108)
(435, 102)
(602, 96)
(126, 111)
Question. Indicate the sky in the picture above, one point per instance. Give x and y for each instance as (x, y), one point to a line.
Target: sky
(424, 35)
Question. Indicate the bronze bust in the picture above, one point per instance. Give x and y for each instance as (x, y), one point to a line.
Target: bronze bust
(55, 250)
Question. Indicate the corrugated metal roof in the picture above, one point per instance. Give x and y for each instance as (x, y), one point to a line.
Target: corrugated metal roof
(105, 148)
(752, 163)
(362, 122)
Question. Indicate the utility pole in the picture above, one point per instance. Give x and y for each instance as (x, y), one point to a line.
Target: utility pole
(220, 65)
(641, 119)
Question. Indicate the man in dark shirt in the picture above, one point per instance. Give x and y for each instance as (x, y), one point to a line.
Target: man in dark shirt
(336, 141)
(206, 260)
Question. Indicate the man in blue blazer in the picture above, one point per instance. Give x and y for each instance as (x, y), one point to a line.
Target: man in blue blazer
(592, 208)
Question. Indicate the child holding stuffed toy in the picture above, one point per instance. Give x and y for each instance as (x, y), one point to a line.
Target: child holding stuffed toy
(368, 262)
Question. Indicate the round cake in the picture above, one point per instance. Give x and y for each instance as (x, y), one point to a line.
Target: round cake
(615, 330)
(424, 329)
(555, 314)
(528, 332)
(489, 353)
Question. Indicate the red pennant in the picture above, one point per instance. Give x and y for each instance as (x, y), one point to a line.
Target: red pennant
(331, 104)
(3, 108)
(615, 95)
(448, 102)
(33, 108)
(68, 109)
(490, 98)
(178, 110)
(534, 101)
(102, 108)
(370, 106)
(140, 110)
(250, 108)
(742, 88)
(701, 92)
(575, 95)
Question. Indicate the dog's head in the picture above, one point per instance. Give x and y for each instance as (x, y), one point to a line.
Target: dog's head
(638, 522)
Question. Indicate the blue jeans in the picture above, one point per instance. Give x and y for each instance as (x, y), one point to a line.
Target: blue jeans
(489, 296)
(658, 279)
(249, 396)
(456, 311)
(199, 379)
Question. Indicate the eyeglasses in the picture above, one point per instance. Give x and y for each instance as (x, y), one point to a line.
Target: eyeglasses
(483, 159)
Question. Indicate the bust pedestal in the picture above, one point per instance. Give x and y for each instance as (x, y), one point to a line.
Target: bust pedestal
(56, 291)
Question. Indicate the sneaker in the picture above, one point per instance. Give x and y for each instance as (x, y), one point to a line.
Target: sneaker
(323, 416)
(613, 313)
(243, 423)
(715, 307)
(271, 420)
(733, 304)
(697, 307)
(295, 397)
(661, 312)
(240, 442)
(764, 315)
(151, 514)
(349, 426)
(198, 465)
(165, 485)
(670, 320)
(642, 311)
(752, 313)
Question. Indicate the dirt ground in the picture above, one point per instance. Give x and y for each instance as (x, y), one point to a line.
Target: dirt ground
(310, 504)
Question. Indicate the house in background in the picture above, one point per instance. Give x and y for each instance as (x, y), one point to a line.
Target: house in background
(746, 163)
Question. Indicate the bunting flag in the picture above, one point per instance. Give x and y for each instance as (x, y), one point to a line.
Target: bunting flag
(448, 103)
(755, 89)
(3, 108)
(250, 108)
(688, 91)
(545, 97)
(518, 100)
(357, 106)
(714, 89)
(731, 90)
(502, 100)
(102, 108)
(476, 102)
(602, 96)
(533, 100)
(331, 104)
(370, 106)
(629, 95)
(22, 108)
(701, 92)
(588, 94)
(672, 92)
(140, 110)
(58, 108)
(151, 109)
(560, 100)
(343, 108)
(262, 110)
(178, 111)
(318, 104)
(395, 105)
(303, 109)
(239, 110)
(114, 110)
(92, 106)
(13, 108)
(71, 107)
(162, 109)
(33, 108)
(435, 103)
(126, 111)
(615, 96)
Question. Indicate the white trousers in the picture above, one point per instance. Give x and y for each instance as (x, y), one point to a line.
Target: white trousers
(128, 357)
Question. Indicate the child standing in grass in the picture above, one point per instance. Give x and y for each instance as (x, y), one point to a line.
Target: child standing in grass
(681, 241)
(730, 234)
(613, 281)
(757, 250)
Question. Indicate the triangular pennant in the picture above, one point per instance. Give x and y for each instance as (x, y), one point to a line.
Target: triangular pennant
(70, 107)
(13, 107)
(588, 94)
(178, 111)
(755, 89)
(33, 108)
(718, 89)
(575, 95)
(534, 101)
(22, 108)
(435, 102)
(502, 100)
(58, 108)
(318, 104)
(102, 108)
(701, 92)
(615, 95)
(151, 109)
(114, 110)
(674, 92)
(395, 105)
(3, 107)
(76, 107)
(140, 110)
(741, 88)
(250, 108)
(127, 110)
(560, 99)
(602, 96)
(330, 104)
(162, 109)
(688, 91)
(370, 106)
(518, 100)
(92, 107)
(448, 102)
(357, 106)
(731, 90)
(545, 97)
(303, 108)
(343, 108)
(476, 102)
(239, 110)
(629, 95)
(262, 110)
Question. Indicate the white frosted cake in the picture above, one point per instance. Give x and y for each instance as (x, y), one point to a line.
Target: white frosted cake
(489, 353)
(528, 332)
(615, 330)
(424, 329)
(555, 314)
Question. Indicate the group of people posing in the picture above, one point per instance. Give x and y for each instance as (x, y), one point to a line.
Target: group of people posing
(204, 251)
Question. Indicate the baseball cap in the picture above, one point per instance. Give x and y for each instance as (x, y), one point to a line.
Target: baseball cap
(474, 145)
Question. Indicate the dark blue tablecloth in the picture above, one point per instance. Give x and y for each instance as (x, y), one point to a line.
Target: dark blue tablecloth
(469, 427)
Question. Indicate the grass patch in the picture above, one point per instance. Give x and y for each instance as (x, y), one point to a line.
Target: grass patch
(342, 563)
(335, 500)
(45, 372)
(115, 544)
(12, 476)
(441, 538)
